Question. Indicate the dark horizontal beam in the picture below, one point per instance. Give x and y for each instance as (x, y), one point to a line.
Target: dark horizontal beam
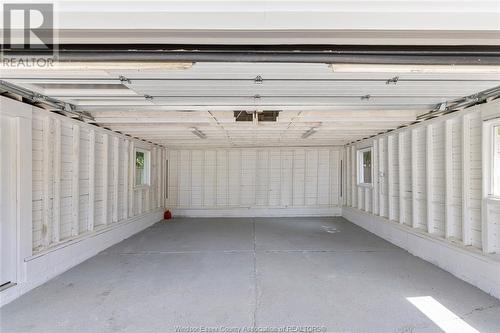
(340, 49)
(338, 54)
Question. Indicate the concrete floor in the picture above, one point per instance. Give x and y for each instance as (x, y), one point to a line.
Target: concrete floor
(237, 273)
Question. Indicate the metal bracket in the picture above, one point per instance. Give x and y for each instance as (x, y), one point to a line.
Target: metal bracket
(393, 80)
(38, 98)
(124, 79)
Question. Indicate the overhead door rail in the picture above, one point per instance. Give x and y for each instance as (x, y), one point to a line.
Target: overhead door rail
(444, 108)
(46, 102)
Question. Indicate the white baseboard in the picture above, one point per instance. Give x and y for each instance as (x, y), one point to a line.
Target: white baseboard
(46, 265)
(256, 212)
(465, 263)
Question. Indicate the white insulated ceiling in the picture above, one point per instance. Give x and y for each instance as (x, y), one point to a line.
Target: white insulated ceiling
(163, 103)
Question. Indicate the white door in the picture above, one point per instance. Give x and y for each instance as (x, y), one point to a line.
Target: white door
(8, 199)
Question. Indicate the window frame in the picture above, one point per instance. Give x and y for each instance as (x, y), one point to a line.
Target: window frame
(147, 168)
(360, 169)
(489, 136)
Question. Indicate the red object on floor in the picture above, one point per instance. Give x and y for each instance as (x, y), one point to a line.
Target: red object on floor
(167, 215)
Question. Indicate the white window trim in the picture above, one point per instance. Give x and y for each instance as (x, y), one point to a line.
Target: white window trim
(147, 167)
(488, 156)
(360, 167)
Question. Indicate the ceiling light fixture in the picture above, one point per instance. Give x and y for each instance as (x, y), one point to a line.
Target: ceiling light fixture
(198, 133)
(403, 69)
(310, 132)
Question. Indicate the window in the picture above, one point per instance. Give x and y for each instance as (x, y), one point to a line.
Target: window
(365, 166)
(496, 161)
(142, 167)
(491, 158)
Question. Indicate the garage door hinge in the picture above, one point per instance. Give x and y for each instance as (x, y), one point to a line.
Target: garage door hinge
(124, 79)
(393, 80)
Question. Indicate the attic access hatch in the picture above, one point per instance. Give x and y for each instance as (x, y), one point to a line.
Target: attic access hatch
(243, 116)
(268, 116)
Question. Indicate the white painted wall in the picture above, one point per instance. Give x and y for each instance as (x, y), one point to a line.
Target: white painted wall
(254, 181)
(429, 181)
(83, 198)
(15, 222)
(82, 179)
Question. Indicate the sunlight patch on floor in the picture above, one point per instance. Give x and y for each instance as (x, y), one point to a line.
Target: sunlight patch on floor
(440, 315)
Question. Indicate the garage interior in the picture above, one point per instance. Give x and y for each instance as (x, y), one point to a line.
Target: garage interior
(346, 183)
